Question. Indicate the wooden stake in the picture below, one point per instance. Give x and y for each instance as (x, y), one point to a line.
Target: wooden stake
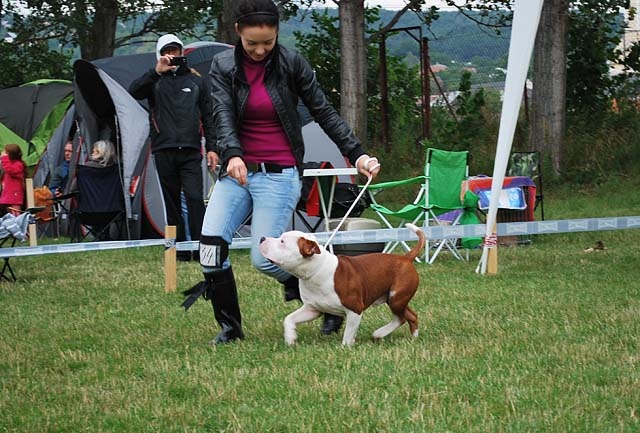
(33, 232)
(170, 270)
(492, 259)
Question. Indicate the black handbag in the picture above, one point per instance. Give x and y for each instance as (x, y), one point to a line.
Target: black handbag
(344, 196)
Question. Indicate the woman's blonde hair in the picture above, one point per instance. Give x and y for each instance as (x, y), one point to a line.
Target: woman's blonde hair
(105, 153)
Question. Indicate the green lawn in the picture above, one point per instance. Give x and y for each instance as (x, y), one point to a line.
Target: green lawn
(89, 342)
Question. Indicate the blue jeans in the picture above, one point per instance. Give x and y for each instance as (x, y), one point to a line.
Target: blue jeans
(270, 199)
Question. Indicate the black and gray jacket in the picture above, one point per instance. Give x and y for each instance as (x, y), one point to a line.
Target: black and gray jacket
(178, 103)
(289, 78)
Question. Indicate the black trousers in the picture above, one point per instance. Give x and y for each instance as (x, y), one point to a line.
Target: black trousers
(181, 170)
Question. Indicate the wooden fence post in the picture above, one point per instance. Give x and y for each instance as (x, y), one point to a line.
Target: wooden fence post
(170, 269)
(492, 259)
(33, 232)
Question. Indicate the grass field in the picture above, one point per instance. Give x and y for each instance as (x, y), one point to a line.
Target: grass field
(89, 342)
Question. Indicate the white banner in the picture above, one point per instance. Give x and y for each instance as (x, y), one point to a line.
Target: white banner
(526, 16)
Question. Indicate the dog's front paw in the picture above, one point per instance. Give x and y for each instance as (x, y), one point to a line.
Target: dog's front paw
(290, 335)
(348, 342)
(290, 338)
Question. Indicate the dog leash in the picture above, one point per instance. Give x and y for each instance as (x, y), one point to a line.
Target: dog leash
(355, 202)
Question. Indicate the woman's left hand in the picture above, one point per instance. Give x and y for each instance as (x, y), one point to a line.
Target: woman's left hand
(237, 169)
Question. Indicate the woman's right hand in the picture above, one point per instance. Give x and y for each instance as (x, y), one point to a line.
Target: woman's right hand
(237, 170)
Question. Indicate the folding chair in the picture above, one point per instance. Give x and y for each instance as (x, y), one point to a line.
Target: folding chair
(54, 216)
(12, 228)
(327, 199)
(528, 164)
(308, 206)
(438, 200)
(100, 207)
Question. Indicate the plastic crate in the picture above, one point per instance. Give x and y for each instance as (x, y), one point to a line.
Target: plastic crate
(356, 224)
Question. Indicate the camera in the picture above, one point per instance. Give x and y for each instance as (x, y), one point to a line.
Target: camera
(178, 61)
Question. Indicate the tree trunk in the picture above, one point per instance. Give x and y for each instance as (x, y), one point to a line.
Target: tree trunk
(226, 24)
(101, 35)
(548, 104)
(353, 67)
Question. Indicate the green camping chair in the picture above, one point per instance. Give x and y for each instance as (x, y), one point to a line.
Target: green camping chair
(438, 201)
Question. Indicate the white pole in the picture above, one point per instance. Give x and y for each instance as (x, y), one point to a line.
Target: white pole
(526, 16)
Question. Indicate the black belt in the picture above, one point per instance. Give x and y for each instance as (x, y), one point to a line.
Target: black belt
(266, 167)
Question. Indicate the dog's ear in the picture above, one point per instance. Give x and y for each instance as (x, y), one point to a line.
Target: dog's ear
(308, 247)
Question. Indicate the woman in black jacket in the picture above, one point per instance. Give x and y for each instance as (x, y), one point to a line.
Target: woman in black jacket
(255, 92)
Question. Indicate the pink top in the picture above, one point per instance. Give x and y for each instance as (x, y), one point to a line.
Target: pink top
(261, 134)
(12, 182)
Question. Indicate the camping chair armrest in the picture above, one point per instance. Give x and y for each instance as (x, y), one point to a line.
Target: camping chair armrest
(66, 196)
(33, 210)
(394, 183)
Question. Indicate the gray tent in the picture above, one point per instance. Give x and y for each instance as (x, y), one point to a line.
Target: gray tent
(105, 109)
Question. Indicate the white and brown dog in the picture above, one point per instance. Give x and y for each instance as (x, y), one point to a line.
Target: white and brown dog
(346, 286)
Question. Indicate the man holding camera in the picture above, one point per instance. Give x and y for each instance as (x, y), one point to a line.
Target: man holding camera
(180, 113)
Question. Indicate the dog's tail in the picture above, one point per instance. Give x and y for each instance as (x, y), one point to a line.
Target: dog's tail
(421, 241)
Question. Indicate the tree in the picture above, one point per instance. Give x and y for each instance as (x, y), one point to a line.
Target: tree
(353, 71)
(91, 25)
(321, 47)
(42, 63)
(595, 30)
(548, 113)
(226, 23)
(574, 43)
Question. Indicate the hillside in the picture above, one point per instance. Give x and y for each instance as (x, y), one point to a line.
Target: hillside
(452, 37)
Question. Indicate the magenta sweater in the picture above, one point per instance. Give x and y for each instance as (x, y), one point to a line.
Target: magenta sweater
(12, 182)
(262, 136)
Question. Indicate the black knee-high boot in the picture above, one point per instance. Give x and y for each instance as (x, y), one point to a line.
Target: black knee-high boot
(330, 322)
(220, 289)
(291, 289)
(223, 295)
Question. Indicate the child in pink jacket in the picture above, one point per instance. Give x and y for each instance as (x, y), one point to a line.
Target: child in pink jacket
(14, 169)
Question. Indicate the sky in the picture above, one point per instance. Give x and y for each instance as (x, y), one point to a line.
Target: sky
(399, 4)
(392, 4)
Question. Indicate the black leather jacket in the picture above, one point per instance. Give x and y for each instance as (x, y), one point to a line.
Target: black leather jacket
(288, 79)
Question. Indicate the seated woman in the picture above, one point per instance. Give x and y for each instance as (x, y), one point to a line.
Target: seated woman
(103, 154)
(100, 202)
